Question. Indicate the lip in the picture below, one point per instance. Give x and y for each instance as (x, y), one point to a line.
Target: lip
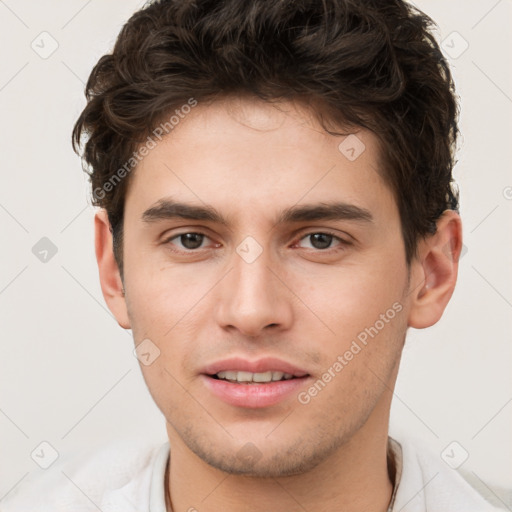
(259, 366)
(253, 396)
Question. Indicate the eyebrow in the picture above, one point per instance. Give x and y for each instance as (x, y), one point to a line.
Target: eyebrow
(167, 209)
(170, 209)
(325, 211)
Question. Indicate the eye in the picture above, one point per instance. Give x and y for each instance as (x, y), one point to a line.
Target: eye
(321, 241)
(188, 241)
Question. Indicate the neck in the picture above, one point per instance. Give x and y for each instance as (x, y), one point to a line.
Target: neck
(356, 476)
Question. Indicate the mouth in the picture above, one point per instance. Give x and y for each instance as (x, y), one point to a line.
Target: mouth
(254, 384)
(241, 377)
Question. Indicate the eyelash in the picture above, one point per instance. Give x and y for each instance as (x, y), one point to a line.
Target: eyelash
(342, 243)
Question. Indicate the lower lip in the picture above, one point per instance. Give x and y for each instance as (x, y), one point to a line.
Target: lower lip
(253, 395)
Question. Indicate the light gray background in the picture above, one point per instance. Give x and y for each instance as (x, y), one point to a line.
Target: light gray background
(68, 375)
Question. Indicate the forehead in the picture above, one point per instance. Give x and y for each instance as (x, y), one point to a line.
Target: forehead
(238, 152)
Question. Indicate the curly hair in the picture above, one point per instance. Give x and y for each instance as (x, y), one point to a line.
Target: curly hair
(365, 63)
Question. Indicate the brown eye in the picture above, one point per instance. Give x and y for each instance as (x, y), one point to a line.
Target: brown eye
(189, 241)
(320, 241)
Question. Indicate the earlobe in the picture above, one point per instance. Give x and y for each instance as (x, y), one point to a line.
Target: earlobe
(110, 278)
(434, 271)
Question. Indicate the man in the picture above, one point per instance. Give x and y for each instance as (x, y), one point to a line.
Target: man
(275, 184)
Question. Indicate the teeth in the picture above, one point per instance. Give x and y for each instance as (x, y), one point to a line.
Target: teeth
(227, 375)
(244, 377)
(262, 377)
(277, 375)
(254, 377)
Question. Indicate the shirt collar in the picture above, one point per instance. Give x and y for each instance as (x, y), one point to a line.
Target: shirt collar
(395, 466)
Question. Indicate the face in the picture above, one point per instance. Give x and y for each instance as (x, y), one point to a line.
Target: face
(256, 249)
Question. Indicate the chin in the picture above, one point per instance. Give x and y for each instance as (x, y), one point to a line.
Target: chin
(272, 462)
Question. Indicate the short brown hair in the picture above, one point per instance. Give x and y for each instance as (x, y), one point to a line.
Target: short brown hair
(369, 63)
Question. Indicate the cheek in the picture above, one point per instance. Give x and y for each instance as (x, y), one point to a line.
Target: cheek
(159, 296)
(366, 318)
(345, 301)
(170, 307)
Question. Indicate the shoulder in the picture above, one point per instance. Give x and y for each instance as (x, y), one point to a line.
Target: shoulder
(116, 477)
(428, 483)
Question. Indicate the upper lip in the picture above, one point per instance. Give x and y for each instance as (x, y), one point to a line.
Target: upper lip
(258, 366)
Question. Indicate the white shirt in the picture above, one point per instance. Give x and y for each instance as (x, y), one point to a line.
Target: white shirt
(130, 478)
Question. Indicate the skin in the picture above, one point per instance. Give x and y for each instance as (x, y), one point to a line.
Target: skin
(251, 161)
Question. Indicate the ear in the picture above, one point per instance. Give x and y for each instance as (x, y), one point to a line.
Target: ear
(110, 278)
(434, 271)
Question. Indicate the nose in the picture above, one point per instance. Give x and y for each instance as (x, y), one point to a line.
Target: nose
(252, 299)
